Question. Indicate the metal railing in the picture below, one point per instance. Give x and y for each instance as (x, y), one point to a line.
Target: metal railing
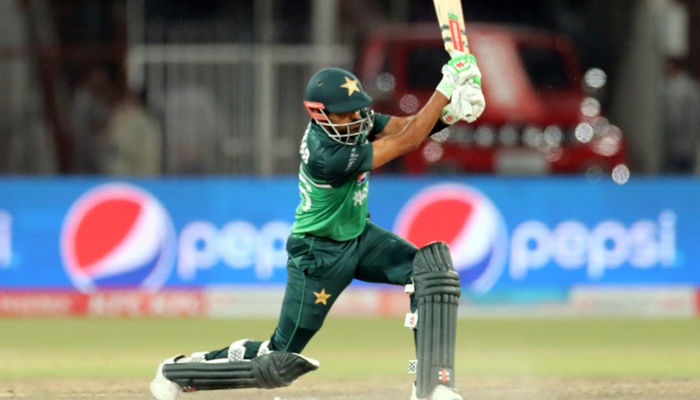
(25, 144)
(230, 108)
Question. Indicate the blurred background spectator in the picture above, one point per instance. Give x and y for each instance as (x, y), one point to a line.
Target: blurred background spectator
(681, 118)
(92, 106)
(192, 120)
(131, 142)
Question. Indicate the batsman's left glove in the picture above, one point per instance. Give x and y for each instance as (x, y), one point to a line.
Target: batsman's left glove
(467, 103)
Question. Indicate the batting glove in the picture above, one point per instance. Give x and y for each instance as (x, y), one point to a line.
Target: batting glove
(467, 103)
(457, 72)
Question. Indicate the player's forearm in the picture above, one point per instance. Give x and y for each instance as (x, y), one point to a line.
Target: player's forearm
(395, 126)
(413, 133)
(421, 125)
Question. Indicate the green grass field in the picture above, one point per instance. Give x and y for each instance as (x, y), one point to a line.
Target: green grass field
(355, 349)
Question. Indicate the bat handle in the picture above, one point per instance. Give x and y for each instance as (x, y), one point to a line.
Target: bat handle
(470, 111)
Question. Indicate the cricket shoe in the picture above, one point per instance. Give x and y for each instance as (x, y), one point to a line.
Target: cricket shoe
(161, 387)
(439, 393)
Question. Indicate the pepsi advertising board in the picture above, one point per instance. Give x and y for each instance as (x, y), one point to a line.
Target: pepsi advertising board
(507, 235)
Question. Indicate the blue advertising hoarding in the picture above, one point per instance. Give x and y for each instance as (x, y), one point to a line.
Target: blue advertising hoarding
(505, 234)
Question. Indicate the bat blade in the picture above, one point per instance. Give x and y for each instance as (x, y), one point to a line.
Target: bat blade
(454, 35)
(451, 19)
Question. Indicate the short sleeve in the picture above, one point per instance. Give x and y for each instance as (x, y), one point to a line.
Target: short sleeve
(380, 122)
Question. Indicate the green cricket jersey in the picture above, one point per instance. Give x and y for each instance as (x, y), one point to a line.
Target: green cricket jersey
(334, 184)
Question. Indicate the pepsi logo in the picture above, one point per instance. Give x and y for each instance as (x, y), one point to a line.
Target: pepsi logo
(117, 236)
(467, 221)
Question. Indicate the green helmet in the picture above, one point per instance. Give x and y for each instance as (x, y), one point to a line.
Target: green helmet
(336, 90)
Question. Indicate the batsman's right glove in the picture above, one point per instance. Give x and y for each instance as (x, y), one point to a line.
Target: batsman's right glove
(459, 71)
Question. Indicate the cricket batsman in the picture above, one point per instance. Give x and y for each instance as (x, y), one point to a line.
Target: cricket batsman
(333, 242)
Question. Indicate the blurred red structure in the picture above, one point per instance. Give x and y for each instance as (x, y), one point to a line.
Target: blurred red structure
(540, 117)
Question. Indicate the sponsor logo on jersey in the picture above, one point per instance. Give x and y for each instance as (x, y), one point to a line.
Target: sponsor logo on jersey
(362, 178)
(353, 157)
(117, 236)
(467, 221)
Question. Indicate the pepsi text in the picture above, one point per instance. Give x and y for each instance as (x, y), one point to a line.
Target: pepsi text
(5, 239)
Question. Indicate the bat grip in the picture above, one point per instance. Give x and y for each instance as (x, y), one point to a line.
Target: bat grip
(469, 111)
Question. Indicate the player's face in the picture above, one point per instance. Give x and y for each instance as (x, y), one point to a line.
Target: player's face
(348, 128)
(347, 118)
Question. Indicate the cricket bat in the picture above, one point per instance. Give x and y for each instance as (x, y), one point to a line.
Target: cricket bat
(451, 20)
(454, 36)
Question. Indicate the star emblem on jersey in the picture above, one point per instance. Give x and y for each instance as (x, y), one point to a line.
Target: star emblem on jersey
(351, 85)
(322, 297)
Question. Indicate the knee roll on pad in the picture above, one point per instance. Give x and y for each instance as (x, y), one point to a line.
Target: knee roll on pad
(273, 370)
(437, 290)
